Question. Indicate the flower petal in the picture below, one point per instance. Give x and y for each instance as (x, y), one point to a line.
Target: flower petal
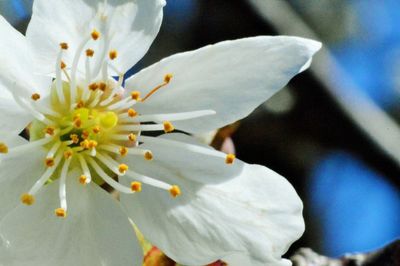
(257, 214)
(17, 68)
(132, 27)
(12, 116)
(95, 231)
(179, 153)
(243, 73)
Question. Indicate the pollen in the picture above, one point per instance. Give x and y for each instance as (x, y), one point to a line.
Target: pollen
(92, 144)
(85, 134)
(82, 179)
(136, 186)
(64, 45)
(102, 86)
(49, 162)
(132, 137)
(123, 151)
(175, 191)
(113, 54)
(27, 199)
(132, 113)
(168, 127)
(35, 96)
(60, 212)
(96, 130)
(77, 122)
(122, 168)
(80, 104)
(68, 154)
(230, 158)
(148, 155)
(95, 35)
(85, 144)
(3, 148)
(89, 53)
(63, 65)
(167, 78)
(49, 130)
(135, 95)
(93, 86)
(74, 138)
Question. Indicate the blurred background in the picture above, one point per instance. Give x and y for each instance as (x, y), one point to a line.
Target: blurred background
(334, 130)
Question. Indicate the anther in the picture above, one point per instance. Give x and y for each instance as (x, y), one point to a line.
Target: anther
(136, 186)
(85, 144)
(95, 35)
(102, 86)
(113, 54)
(167, 78)
(77, 122)
(132, 137)
(68, 154)
(63, 65)
(35, 96)
(60, 212)
(82, 179)
(135, 95)
(96, 130)
(93, 86)
(27, 199)
(49, 130)
(132, 113)
(3, 148)
(122, 168)
(175, 191)
(123, 151)
(89, 53)
(85, 134)
(168, 127)
(74, 138)
(92, 144)
(148, 155)
(49, 162)
(230, 158)
(64, 45)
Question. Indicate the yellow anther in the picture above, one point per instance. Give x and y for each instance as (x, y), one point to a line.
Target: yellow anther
(77, 122)
(92, 144)
(35, 96)
(3, 148)
(64, 45)
(148, 155)
(93, 86)
(85, 134)
(123, 151)
(122, 168)
(102, 86)
(80, 104)
(136, 186)
(135, 95)
(96, 130)
(230, 158)
(60, 212)
(68, 154)
(175, 191)
(49, 130)
(63, 65)
(95, 35)
(49, 162)
(168, 127)
(132, 113)
(27, 199)
(113, 54)
(89, 53)
(74, 138)
(167, 78)
(132, 137)
(85, 144)
(82, 179)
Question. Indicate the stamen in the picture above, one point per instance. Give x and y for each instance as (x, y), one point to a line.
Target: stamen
(109, 180)
(123, 151)
(132, 113)
(75, 62)
(49, 130)
(89, 53)
(35, 96)
(85, 169)
(27, 199)
(113, 54)
(63, 65)
(102, 86)
(74, 138)
(49, 162)
(148, 155)
(53, 150)
(96, 130)
(135, 95)
(68, 154)
(93, 86)
(169, 117)
(64, 45)
(95, 35)
(60, 212)
(136, 186)
(230, 158)
(39, 116)
(167, 79)
(175, 191)
(148, 180)
(122, 168)
(168, 127)
(155, 127)
(59, 86)
(110, 163)
(132, 137)
(25, 147)
(3, 148)
(83, 179)
(62, 189)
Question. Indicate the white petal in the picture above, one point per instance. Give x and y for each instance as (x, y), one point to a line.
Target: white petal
(95, 231)
(177, 152)
(257, 214)
(12, 116)
(17, 68)
(133, 25)
(231, 77)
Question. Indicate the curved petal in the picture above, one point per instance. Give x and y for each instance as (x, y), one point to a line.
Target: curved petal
(179, 153)
(231, 77)
(12, 116)
(257, 214)
(125, 25)
(17, 68)
(95, 232)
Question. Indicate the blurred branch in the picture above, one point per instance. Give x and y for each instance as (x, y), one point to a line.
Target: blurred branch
(369, 117)
(387, 256)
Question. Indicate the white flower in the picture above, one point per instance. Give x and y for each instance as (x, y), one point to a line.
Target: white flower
(86, 128)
